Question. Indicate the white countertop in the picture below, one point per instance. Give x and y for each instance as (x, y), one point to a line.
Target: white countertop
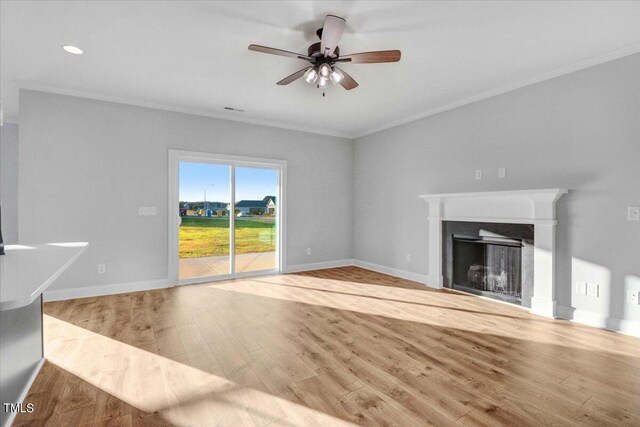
(26, 271)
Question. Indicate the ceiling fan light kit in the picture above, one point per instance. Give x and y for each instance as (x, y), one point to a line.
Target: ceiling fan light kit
(336, 76)
(311, 75)
(324, 69)
(324, 56)
(323, 82)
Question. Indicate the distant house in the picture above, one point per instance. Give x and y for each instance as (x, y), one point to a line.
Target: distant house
(215, 206)
(254, 207)
(271, 205)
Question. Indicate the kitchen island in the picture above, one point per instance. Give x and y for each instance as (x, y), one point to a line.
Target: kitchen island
(26, 271)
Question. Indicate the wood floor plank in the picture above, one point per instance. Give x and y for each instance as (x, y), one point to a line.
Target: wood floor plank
(376, 409)
(612, 412)
(168, 341)
(605, 391)
(250, 390)
(335, 347)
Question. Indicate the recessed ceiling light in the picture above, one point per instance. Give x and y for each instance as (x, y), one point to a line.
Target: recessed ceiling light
(73, 49)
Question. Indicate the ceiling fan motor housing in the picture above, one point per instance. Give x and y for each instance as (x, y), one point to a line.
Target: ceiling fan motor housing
(314, 52)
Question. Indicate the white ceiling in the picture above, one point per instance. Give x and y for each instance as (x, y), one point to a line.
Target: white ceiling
(193, 57)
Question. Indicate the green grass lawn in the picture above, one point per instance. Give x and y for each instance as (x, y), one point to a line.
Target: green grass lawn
(203, 237)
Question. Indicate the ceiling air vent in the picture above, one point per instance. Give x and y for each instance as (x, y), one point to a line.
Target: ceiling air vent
(234, 109)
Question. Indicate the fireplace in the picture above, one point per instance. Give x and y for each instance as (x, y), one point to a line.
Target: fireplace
(528, 212)
(489, 259)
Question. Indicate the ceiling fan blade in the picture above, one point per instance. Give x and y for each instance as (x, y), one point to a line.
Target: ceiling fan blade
(331, 33)
(274, 51)
(347, 81)
(293, 77)
(371, 57)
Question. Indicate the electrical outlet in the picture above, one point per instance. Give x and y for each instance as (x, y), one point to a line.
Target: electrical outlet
(478, 173)
(308, 251)
(633, 297)
(408, 258)
(581, 288)
(502, 172)
(634, 213)
(593, 290)
(102, 268)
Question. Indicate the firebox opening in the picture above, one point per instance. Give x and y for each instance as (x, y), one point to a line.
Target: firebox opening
(491, 259)
(488, 266)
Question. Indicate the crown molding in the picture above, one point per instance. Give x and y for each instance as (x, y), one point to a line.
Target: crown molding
(175, 109)
(576, 66)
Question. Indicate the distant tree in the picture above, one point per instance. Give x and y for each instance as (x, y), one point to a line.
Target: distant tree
(266, 199)
(182, 205)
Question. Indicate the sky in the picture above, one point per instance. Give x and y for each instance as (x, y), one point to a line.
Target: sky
(251, 183)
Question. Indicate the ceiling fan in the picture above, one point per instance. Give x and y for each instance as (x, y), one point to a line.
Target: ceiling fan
(324, 56)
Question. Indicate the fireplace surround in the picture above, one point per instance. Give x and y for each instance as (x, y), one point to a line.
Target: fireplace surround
(534, 207)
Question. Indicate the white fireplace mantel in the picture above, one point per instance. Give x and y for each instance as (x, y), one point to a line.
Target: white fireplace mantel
(537, 207)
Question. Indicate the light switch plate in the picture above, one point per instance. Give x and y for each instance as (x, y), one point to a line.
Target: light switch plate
(478, 173)
(634, 213)
(581, 288)
(502, 172)
(147, 211)
(593, 289)
(633, 297)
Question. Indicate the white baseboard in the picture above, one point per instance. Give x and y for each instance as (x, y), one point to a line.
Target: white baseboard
(318, 265)
(544, 307)
(564, 312)
(96, 291)
(25, 391)
(434, 281)
(403, 274)
(590, 318)
(627, 327)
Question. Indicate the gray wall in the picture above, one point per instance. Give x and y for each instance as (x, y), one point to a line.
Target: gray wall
(9, 181)
(580, 131)
(86, 166)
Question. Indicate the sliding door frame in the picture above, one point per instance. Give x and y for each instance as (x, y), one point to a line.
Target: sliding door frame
(173, 211)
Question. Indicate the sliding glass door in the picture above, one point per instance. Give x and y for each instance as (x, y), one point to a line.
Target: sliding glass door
(204, 232)
(229, 216)
(255, 234)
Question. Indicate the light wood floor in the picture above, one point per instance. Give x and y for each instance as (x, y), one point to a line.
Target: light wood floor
(333, 347)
